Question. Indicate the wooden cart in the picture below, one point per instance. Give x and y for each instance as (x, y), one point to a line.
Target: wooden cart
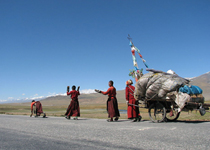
(167, 110)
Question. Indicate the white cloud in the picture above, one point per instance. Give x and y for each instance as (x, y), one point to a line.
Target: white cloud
(87, 91)
(36, 97)
(3, 101)
(60, 94)
(54, 94)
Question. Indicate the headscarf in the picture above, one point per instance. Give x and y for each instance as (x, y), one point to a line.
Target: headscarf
(129, 82)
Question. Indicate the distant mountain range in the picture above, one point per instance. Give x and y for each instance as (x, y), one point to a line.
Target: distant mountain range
(203, 81)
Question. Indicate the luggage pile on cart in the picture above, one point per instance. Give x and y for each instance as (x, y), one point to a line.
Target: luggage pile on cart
(166, 94)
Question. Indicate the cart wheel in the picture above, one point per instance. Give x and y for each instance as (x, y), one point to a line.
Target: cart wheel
(157, 112)
(174, 117)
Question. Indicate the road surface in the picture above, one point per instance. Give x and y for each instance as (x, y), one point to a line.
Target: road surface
(53, 133)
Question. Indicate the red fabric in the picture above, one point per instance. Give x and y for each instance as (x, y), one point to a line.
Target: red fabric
(73, 108)
(140, 55)
(111, 92)
(112, 104)
(133, 52)
(129, 92)
(112, 108)
(38, 108)
(74, 94)
(132, 111)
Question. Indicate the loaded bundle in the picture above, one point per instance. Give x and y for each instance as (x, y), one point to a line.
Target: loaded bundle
(156, 84)
(162, 85)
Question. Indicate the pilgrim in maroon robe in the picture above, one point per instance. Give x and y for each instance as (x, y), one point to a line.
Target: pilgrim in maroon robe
(112, 104)
(73, 108)
(132, 111)
(39, 110)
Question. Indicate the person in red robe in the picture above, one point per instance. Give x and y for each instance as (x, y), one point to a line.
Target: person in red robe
(38, 110)
(132, 111)
(73, 108)
(112, 104)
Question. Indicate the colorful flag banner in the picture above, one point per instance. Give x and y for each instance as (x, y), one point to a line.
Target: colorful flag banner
(136, 73)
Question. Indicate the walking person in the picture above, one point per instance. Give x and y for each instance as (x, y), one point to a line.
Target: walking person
(73, 108)
(112, 104)
(132, 110)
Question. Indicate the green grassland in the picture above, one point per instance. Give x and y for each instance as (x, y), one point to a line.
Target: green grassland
(91, 111)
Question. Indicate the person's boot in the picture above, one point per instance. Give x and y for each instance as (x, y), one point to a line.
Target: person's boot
(44, 115)
(68, 117)
(116, 119)
(139, 119)
(134, 120)
(110, 120)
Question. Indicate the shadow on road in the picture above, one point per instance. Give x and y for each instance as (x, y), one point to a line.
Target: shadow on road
(81, 119)
(189, 121)
(127, 120)
(40, 117)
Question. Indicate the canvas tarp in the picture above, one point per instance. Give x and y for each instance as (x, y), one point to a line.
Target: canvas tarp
(157, 84)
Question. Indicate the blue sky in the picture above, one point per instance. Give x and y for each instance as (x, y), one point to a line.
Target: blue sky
(47, 45)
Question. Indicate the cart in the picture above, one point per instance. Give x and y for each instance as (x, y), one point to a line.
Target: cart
(162, 110)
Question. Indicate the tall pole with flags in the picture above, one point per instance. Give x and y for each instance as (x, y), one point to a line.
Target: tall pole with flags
(136, 73)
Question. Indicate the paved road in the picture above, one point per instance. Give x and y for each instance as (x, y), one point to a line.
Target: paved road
(23, 132)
